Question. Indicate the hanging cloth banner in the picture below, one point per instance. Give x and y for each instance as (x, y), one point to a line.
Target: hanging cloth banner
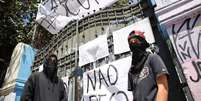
(54, 15)
(10, 97)
(14, 66)
(120, 36)
(93, 50)
(108, 82)
(18, 71)
(185, 35)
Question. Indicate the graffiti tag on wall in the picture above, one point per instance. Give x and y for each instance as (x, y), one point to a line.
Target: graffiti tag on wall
(186, 39)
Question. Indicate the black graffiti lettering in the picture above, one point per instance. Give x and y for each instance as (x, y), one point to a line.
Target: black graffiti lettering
(117, 94)
(123, 93)
(195, 21)
(93, 84)
(186, 22)
(91, 98)
(54, 5)
(191, 42)
(80, 3)
(197, 66)
(102, 78)
(100, 96)
(61, 1)
(68, 11)
(184, 46)
(185, 55)
(186, 25)
(175, 40)
(108, 74)
(173, 29)
(199, 44)
(113, 94)
(97, 1)
(95, 97)
(186, 35)
(49, 22)
(64, 3)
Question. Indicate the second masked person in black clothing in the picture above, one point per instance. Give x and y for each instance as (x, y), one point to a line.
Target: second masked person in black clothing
(148, 76)
(45, 85)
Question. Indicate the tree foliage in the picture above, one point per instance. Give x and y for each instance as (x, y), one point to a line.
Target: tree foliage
(16, 21)
(17, 17)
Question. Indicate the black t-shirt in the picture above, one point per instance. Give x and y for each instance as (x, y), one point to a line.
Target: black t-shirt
(143, 85)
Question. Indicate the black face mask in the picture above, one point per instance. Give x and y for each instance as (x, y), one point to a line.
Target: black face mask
(139, 46)
(50, 68)
(139, 54)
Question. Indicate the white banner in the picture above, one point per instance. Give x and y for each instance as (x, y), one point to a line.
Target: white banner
(40, 68)
(55, 14)
(108, 82)
(185, 35)
(65, 80)
(93, 50)
(120, 36)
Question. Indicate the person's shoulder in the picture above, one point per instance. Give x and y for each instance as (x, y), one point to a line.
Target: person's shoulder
(152, 56)
(35, 74)
(33, 77)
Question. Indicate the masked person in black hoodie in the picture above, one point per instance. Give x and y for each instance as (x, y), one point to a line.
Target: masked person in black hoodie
(45, 85)
(148, 76)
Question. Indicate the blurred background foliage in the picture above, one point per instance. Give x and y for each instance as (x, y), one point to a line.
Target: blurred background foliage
(16, 21)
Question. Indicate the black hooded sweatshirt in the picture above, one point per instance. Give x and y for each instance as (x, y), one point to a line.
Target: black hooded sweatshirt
(40, 87)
